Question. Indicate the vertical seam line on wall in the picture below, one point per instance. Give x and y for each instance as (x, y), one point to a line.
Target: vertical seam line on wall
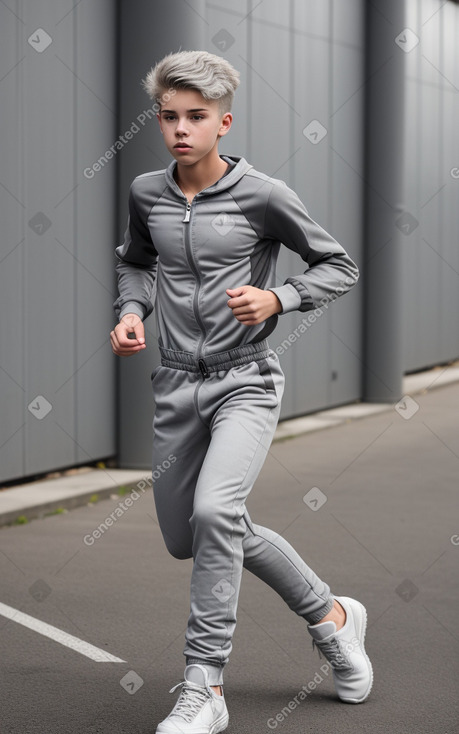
(77, 458)
(249, 82)
(329, 187)
(117, 194)
(20, 101)
(441, 106)
(419, 151)
(361, 198)
(292, 86)
(292, 167)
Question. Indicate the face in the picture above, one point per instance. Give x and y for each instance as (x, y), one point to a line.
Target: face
(189, 118)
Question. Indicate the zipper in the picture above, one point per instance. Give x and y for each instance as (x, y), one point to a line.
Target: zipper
(187, 212)
(192, 264)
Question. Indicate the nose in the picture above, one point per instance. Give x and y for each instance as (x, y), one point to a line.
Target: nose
(181, 128)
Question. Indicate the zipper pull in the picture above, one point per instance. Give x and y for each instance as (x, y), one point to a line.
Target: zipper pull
(187, 213)
(203, 367)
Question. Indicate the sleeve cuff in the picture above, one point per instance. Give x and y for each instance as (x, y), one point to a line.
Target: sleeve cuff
(288, 296)
(132, 307)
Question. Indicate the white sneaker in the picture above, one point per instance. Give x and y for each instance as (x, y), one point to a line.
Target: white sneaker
(198, 710)
(345, 651)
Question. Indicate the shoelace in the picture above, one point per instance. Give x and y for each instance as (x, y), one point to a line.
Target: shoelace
(191, 700)
(334, 654)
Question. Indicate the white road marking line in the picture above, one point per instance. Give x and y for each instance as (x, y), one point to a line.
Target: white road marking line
(43, 628)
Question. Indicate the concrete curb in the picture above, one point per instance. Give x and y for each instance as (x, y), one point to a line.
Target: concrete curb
(419, 383)
(44, 497)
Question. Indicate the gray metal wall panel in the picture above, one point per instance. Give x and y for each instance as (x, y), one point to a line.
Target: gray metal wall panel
(42, 293)
(49, 286)
(346, 181)
(12, 378)
(411, 262)
(449, 304)
(93, 378)
(274, 116)
(428, 234)
(306, 371)
(431, 261)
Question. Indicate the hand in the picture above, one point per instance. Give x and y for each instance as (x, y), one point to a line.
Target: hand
(122, 345)
(253, 305)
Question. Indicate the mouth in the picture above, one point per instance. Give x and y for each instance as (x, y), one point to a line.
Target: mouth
(182, 145)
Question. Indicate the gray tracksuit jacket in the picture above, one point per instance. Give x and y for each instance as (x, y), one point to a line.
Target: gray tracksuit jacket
(229, 236)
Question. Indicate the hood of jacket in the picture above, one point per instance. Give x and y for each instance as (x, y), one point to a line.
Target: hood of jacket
(239, 168)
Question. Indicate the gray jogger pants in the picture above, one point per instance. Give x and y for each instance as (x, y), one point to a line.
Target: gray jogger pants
(213, 426)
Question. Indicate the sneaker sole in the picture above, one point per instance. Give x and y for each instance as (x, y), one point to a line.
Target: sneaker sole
(361, 632)
(222, 724)
(218, 726)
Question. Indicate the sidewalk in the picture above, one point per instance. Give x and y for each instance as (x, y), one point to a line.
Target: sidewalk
(25, 502)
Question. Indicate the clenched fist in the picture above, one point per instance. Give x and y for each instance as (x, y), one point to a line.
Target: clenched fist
(252, 305)
(122, 344)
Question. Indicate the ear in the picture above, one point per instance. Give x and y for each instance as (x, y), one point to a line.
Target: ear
(159, 120)
(225, 124)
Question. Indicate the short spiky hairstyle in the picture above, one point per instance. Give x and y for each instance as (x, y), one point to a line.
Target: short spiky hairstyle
(210, 75)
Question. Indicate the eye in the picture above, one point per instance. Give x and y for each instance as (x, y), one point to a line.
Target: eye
(193, 117)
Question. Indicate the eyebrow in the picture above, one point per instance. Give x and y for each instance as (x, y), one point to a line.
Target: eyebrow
(197, 109)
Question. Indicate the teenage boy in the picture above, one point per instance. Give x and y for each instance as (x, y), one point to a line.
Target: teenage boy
(206, 231)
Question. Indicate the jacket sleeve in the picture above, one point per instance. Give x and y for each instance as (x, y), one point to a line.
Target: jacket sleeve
(137, 265)
(330, 272)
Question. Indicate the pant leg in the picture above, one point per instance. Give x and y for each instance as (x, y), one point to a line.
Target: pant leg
(180, 443)
(242, 414)
(270, 557)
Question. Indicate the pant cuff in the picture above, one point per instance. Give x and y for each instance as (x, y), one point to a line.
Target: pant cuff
(317, 615)
(214, 671)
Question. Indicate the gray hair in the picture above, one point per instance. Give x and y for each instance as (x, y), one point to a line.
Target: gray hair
(210, 75)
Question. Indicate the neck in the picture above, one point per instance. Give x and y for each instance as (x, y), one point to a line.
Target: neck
(198, 176)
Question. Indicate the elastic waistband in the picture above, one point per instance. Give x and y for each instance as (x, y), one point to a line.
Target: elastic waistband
(214, 362)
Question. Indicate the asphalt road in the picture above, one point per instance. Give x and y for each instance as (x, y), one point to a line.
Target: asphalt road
(387, 534)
